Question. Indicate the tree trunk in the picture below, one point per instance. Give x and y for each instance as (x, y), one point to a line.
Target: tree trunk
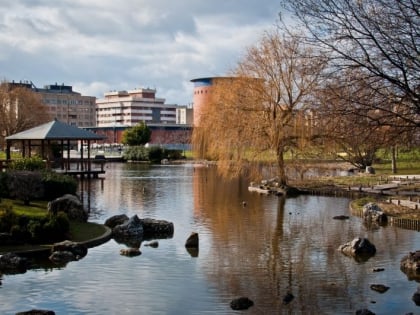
(281, 166)
(394, 160)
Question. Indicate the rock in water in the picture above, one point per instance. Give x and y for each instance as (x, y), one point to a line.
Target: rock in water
(241, 303)
(192, 241)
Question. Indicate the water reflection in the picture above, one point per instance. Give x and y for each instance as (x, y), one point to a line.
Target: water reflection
(263, 250)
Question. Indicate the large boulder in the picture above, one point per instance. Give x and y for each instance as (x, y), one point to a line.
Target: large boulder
(153, 229)
(373, 213)
(77, 249)
(66, 251)
(71, 205)
(241, 303)
(359, 248)
(192, 241)
(12, 263)
(116, 220)
(416, 297)
(62, 257)
(410, 265)
(133, 228)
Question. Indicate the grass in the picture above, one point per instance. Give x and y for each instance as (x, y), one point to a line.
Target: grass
(79, 231)
(35, 209)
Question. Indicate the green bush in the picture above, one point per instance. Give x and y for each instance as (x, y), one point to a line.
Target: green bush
(4, 186)
(174, 154)
(57, 185)
(36, 231)
(156, 154)
(7, 217)
(136, 153)
(28, 164)
(26, 185)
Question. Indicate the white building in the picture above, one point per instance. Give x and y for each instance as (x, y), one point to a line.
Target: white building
(128, 108)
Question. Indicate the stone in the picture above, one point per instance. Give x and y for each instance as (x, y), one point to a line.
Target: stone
(369, 170)
(71, 205)
(241, 303)
(36, 312)
(62, 257)
(154, 244)
(410, 265)
(153, 229)
(379, 288)
(192, 241)
(341, 217)
(416, 297)
(116, 220)
(78, 250)
(373, 213)
(131, 228)
(359, 248)
(364, 311)
(288, 298)
(130, 252)
(12, 263)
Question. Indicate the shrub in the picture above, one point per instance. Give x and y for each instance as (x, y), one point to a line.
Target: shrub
(26, 185)
(136, 153)
(36, 231)
(174, 154)
(4, 187)
(156, 154)
(28, 164)
(7, 217)
(57, 185)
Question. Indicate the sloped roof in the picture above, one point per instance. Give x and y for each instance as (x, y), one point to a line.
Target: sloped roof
(55, 130)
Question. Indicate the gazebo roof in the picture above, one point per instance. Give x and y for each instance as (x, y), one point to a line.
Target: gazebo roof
(55, 130)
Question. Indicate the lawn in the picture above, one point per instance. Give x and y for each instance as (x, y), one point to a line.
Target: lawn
(79, 231)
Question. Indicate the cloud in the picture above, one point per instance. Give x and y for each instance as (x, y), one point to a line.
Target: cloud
(111, 45)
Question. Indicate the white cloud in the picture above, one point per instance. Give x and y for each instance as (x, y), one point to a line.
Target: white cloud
(102, 45)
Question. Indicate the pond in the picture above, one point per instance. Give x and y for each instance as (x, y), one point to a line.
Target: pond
(263, 250)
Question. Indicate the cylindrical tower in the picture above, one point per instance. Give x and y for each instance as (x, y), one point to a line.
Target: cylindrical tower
(202, 91)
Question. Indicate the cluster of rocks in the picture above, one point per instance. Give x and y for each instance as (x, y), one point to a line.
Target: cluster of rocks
(66, 251)
(274, 186)
(372, 213)
(133, 231)
(359, 248)
(61, 253)
(124, 227)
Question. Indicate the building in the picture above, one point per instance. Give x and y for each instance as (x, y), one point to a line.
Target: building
(202, 93)
(128, 108)
(64, 104)
(118, 110)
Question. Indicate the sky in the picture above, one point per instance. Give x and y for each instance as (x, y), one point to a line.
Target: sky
(106, 45)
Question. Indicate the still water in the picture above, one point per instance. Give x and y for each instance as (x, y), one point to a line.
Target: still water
(261, 251)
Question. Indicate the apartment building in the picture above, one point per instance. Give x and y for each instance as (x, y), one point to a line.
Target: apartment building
(64, 104)
(128, 108)
(69, 106)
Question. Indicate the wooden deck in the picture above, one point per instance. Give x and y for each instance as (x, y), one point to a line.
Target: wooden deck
(89, 168)
(86, 168)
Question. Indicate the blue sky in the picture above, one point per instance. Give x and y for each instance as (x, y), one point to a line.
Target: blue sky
(103, 45)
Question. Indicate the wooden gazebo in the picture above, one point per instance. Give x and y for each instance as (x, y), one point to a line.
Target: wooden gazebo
(56, 133)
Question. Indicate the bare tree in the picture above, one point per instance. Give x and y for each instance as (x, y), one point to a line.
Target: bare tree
(255, 113)
(351, 130)
(20, 109)
(377, 38)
